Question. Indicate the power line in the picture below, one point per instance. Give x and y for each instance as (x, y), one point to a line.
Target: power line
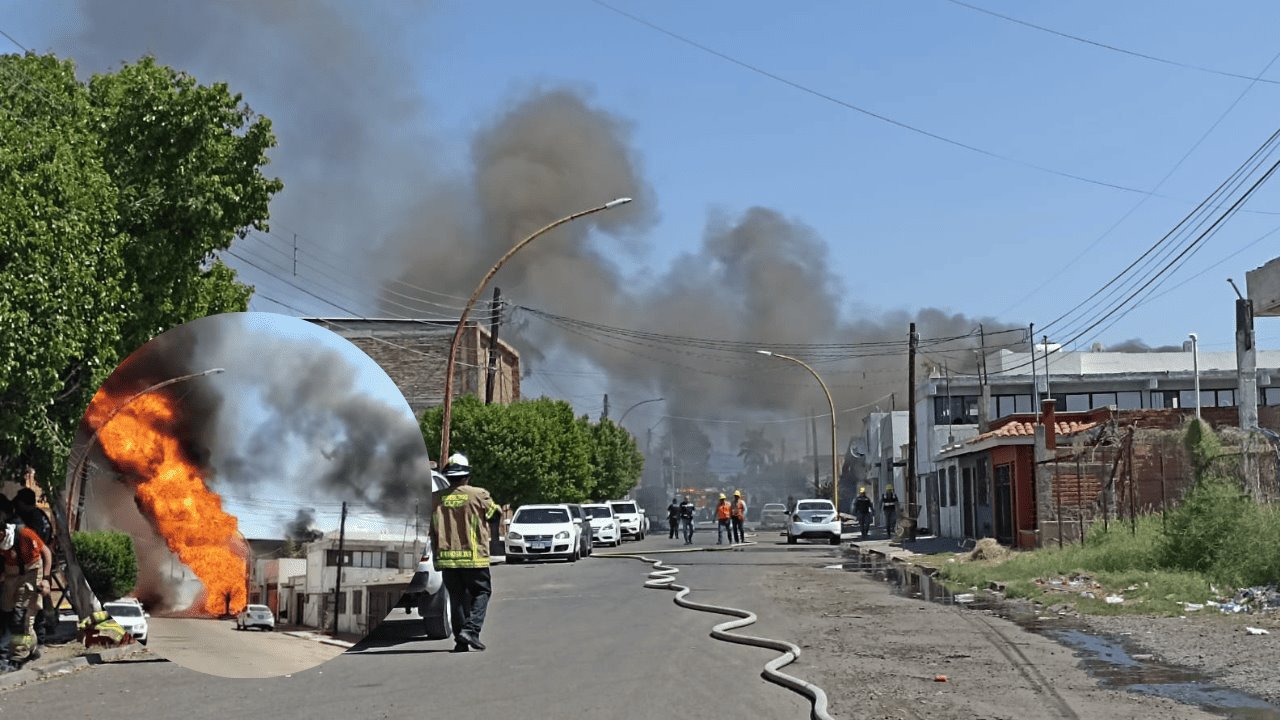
(1142, 201)
(1112, 48)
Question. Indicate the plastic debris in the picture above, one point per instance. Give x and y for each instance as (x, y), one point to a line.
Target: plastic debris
(1087, 594)
(964, 598)
(939, 678)
(1256, 631)
(1192, 607)
(1232, 607)
(1114, 599)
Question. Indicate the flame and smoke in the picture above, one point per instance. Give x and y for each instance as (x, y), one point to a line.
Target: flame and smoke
(142, 443)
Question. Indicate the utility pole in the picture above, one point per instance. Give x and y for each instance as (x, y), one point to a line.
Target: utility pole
(337, 585)
(605, 415)
(912, 495)
(817, 482)
(495, 320)
(1048, 391)
(984, 409)
(1035, 383)
(295, 253)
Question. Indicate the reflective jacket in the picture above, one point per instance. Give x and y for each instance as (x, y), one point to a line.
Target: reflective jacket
(722, 511)
(738, 509)
(889, 502)
(460, 527)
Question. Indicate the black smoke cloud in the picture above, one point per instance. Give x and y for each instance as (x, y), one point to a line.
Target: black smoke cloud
(301, 528)
(360, 170)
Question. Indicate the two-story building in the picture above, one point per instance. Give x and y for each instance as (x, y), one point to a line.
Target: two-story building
(376, 567)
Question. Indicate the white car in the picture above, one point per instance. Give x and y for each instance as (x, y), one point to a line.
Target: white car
(256, 616)
(131, 616)
(542, 531)
(814, 518)
(604, 526)
(773, 515)
(630, 518)
(427, 593)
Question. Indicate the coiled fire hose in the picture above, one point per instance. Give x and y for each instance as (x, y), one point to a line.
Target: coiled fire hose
(662, 577)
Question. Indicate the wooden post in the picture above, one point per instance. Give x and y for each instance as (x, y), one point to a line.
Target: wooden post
(1133, 495)
(1164, 516)
(1079, 499)
(1057, 490)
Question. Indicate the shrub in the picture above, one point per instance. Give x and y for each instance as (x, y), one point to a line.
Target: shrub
(108, 561)
(1203, 529)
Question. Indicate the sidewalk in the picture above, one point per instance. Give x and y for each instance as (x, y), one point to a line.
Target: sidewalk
(345, 640)
(921, 552)
(64, 655)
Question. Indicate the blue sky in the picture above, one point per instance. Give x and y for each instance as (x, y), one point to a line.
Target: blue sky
(911, 221)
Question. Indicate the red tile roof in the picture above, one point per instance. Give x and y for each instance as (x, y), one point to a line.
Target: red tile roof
(1027, 428)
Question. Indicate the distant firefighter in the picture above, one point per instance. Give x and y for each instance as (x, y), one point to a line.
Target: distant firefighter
(99, 630)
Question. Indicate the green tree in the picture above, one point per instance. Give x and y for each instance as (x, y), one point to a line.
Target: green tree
(526, 452)
(109, 563)
(756, 451)
(115, 196)
(616, 460)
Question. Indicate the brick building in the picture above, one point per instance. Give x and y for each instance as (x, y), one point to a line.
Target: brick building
(414, 352)
(1030, 481)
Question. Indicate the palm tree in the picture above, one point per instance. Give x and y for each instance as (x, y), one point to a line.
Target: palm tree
(755, 451)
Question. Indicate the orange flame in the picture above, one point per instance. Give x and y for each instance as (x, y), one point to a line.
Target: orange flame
(171, 492)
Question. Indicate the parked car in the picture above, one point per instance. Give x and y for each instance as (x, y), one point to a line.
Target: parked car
(542, 531)
(256, 616)
(773, 515)
(131, 616)
(814, 518)
(582, 521)
(426, 590)
(631, 519)
(604, 526)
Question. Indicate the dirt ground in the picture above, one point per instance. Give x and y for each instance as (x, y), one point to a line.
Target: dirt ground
(877, 654)
(1212, 643)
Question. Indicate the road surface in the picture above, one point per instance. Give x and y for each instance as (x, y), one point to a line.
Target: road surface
(217, 648)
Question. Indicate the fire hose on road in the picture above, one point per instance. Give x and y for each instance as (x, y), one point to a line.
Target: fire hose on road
(662, 577)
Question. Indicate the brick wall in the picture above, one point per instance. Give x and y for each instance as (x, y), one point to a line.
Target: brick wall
(413, 354)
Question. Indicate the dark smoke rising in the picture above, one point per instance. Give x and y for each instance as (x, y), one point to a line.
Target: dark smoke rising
(359, 170)
(302, 528)
(1135, 345)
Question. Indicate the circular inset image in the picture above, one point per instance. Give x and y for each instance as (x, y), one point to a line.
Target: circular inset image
(248, 495)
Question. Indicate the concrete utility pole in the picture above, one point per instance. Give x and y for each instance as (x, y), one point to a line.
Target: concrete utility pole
(494, 322)
(1195, 366)
(605, 414)
(1035, 382)
(984, 409)
(912, 495)
(337, 585)
(1246, 362)
(817, 474)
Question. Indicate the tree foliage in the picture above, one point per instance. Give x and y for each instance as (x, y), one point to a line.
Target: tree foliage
(115, 195)
(537, 451)
(109, 562)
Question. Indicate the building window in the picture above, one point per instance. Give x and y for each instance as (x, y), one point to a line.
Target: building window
(1101, 400)
(951, 480)
(393, 560)
(1076, 402)
(1271, 396)
(342, 603)
(1226, 398)
(1006, 405)
(357, 599)
(955, 410)
(1131, 400)
(331, 558)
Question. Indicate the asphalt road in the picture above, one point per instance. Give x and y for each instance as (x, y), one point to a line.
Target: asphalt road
(582, 640)
(217, 648)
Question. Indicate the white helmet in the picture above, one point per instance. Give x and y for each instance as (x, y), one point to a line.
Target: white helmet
(458, 466)
(10, 533)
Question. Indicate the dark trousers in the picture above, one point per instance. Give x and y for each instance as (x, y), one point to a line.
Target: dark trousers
(687, 523)
(864, 523)
(723, 528)
(469, 591)
(675, 526)
(738, 535)
(890, 520)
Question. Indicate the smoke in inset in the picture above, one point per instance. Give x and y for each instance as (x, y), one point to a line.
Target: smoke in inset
(301, 529)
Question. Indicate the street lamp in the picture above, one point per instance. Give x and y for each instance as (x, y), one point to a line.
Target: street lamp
(633, 407)
(835, 474)
(466, 310)
(1195, 364)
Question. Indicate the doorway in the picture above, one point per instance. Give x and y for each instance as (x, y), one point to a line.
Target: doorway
(1004, 504)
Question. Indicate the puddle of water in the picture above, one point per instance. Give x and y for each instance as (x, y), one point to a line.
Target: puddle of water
(1102, 657)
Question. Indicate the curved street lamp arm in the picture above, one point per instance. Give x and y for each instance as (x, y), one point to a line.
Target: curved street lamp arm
(835, 476)
(466, 310)
(633, 407)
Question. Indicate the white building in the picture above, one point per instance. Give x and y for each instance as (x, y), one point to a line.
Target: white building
(948, 406)
(376, 566)
(883, 444)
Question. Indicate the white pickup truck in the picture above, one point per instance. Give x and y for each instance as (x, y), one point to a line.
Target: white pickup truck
(631, 518)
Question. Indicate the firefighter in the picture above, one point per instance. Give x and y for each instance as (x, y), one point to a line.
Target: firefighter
(673, 517)
(889, 506)
(722, 521)
(862, 510)
(738, 515)
(686, 520)
(26, 559)
(24, 503)
(460, 537)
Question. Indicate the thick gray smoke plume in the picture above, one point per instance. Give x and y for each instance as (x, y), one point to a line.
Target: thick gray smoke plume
(301, 529)
(359, 170)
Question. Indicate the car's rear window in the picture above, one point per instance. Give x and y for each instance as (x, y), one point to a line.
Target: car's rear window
(814, 506)
(774, 507)
(259, 608)
(541, 516)
(598, 512)
(624, 507)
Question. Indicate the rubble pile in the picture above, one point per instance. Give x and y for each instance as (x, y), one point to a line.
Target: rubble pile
(1259, 599)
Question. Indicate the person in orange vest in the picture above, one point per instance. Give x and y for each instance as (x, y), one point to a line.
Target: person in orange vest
(737, 514)
(722, 521)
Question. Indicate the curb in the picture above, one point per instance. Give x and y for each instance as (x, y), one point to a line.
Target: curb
(320, 639)
(11, 680)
